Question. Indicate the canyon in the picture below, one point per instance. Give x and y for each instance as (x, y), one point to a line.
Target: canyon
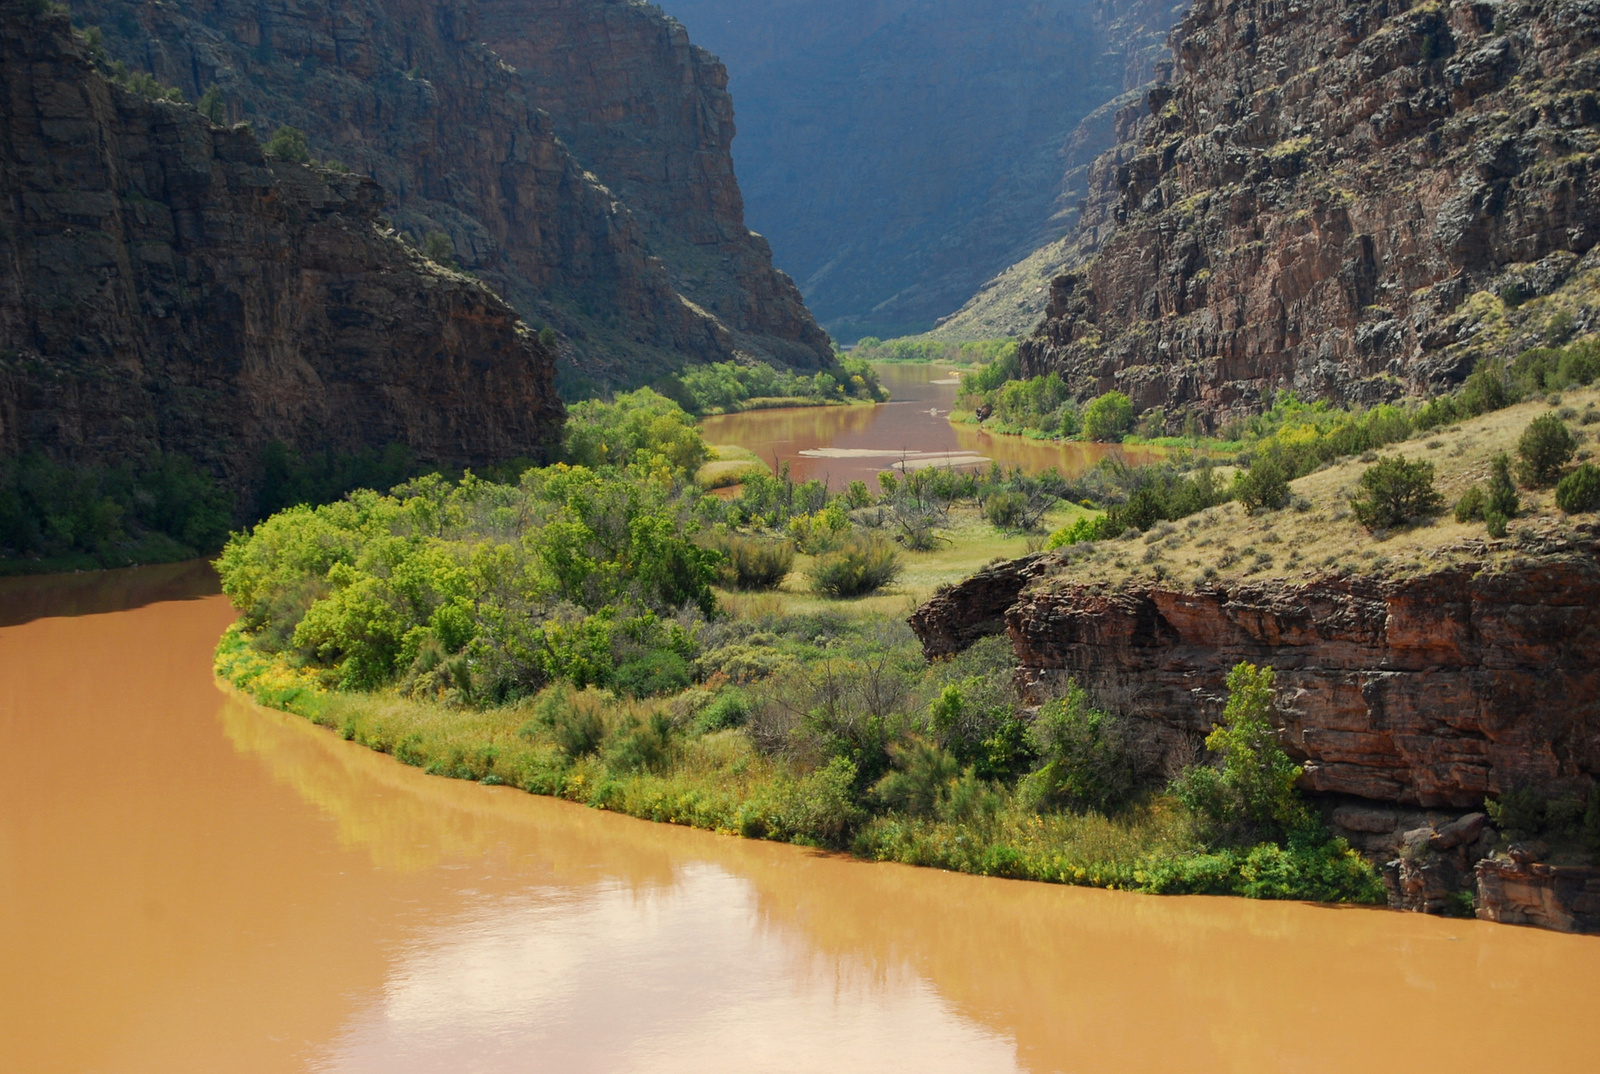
(1332, 198)
(575, 154)
(164, 287)
(899, 153)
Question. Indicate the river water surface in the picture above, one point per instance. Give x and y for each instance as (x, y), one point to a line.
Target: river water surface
(845, 443)
(192, 883)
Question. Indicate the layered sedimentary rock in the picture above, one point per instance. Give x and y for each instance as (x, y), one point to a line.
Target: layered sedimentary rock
(163, 287)
(1433, 690)
(901, 152)
(541, 204)
(1320, 188)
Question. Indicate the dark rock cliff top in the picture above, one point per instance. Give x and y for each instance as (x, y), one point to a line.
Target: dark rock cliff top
(163, 287)
(1321, 189)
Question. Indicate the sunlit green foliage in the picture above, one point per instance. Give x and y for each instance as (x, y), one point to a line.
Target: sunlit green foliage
(615, 434)
(1394, 491)
(1253, 790)
(1546, 446)
(724, 387)
(1108, 417)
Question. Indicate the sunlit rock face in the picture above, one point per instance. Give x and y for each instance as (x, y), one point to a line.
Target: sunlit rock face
(1435, 690)
(165, 287)
(574, 152)
(1320, 191)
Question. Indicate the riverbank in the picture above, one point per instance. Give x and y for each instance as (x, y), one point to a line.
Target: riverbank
(718, 780)
(816, 721)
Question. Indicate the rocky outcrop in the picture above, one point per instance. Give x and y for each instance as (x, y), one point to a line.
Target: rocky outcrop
(901, 152)
(163, 287)
(1433, 690)
(1516, 889)
(1318, 190)
(614, 218)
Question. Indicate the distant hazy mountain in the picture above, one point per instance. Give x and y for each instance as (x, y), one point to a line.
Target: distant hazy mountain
(899, 153)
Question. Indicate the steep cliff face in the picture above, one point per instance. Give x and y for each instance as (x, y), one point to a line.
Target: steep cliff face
(650, 113)
(163, 287)
(1319, 189)
(900, 152)
(409, 94)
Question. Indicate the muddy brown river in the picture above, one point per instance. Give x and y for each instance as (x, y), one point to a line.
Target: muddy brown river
(846, 443)
(191, 883)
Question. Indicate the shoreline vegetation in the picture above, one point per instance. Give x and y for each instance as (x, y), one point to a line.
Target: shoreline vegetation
(606, 631)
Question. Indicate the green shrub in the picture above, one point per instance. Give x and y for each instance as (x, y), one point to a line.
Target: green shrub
(730, 708)
(1085, 764)
(638, 425)
(1545, 447)
(1495, 522)
(1005, 509)
(570, 720)
(1265, 486)
(437, 247)
(659, 671)
(864, 564)
(1502, 498)
(212, 106)
(1579, 491)
(754, 562)
(1254, 790)
(288, 143)
(1471, 505)
(1084, 528)
(920, 781)
(640, 745)
(1395, 491)
(1108, 418)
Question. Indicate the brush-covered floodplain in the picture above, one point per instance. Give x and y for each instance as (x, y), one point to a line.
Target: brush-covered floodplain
(605, 631)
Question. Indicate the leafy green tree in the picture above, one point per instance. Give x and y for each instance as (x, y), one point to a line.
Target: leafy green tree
(1264, 486)
(615, 434)
(1545, 447)
(288, 143)
(1502, 497)
(437, 247)
(1394, 491)
(1580, 490)
(1254, 790)
(1108, 418)
(1084, 762)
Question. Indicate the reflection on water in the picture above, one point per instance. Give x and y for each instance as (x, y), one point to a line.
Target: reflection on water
(206, 885)
(916, 419)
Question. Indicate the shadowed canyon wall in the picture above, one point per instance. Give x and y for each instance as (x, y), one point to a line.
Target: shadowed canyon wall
(163, 287)
(899, 153)
(1320, 191)
(574, 151)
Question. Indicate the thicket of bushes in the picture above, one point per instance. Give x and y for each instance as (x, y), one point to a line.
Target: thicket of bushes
(723, 387)
(165, 508)
(560, 634)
